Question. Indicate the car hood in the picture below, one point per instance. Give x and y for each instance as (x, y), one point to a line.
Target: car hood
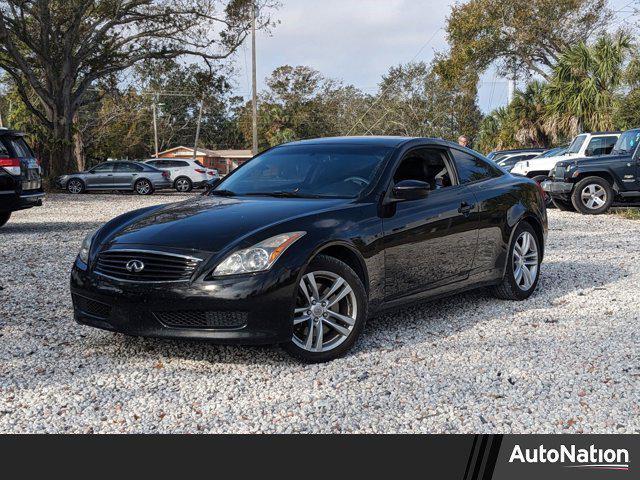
(599, 158)
(210, 223)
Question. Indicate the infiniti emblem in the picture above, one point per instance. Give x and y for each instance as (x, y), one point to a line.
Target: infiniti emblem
(135, 266)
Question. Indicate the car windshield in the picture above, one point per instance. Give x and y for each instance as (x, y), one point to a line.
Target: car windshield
(554, 152)
(628, 142)
(325, 171)
(576, 144)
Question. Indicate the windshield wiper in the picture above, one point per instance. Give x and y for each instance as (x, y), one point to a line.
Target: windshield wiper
(282, 194)
(222, 193)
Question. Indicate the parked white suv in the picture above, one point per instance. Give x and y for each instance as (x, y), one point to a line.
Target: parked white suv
(186, 174)
(584, 145)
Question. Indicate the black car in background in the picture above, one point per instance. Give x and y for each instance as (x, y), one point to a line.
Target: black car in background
(300, 245)
(591, 185)
(20, 175)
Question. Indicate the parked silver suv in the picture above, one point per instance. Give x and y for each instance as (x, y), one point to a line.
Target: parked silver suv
(186, 174)
(138, 177)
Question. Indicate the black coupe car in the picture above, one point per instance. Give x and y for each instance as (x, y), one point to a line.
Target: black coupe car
(304, 242)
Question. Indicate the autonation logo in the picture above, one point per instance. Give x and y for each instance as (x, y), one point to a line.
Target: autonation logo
(590, 458)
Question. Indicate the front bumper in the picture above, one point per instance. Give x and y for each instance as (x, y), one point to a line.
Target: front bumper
(12, 201)
(554, 187)
(248, 310)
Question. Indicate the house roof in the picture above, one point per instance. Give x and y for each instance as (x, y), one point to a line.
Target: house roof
(211, 153)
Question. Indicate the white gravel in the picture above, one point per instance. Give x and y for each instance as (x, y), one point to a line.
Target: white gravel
(567, 360)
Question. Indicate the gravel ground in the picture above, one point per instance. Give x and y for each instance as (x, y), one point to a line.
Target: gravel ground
(567, 360)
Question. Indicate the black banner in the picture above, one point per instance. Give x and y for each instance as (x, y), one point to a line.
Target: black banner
(442, 457)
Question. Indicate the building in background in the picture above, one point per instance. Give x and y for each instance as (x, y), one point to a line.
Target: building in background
(222, 160)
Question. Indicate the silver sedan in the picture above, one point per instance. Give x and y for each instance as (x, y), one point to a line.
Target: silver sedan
(133, 176)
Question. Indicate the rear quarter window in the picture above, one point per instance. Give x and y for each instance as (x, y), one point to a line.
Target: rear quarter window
(473, 169)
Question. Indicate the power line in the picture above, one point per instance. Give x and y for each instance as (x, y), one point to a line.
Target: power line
(391, 84)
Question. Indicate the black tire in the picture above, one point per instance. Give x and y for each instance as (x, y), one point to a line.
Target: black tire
(183, 184)
(595, 184)
(4, 218)
(75, 186)
(563, 205)
(323, 263)
(143, 187)
(508, 288)
(547, 198)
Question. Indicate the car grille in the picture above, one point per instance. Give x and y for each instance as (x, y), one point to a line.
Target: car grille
(201, 319)
(91, 307)
(157, 266)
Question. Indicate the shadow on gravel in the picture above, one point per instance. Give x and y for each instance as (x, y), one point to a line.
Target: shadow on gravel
(444, 317)
(409, 325)
(49, 227)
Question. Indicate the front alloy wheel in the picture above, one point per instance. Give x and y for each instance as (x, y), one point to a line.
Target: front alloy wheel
(75, 186)
(329, 313)
(183, 185)
(592, 196)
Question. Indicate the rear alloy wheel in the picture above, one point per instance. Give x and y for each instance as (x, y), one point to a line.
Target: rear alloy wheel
(523, 267)
(143, 187)
(330, 311)
(75, 186)
(183, 185)
(592, 196)
(4, 218)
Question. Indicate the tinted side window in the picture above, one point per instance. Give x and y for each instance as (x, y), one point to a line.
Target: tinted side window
(128, 167)
(4, 152)
(180, 164)
(103, 167)
(19, 147)
(601, 145)
(472, 169)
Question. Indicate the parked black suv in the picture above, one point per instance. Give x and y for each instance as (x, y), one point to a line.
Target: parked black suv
(20, 176)
(591, 185)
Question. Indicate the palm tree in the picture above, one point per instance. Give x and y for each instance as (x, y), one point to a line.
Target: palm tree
(528, 111)
(582, 92)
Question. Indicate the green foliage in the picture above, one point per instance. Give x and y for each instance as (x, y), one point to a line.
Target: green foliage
(414, 100)
(583, 91)
(526, 35)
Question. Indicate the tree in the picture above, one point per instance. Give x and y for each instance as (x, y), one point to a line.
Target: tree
(298, 103)
(523, 35)
(60, 49)
(528, 113)
(584, 89)
(497, 131)
(413, 100)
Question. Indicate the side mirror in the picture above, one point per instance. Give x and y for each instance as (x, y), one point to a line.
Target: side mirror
(411, 190)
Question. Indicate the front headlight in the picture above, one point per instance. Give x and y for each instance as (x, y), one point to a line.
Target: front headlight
(258, 258)
(83, 254)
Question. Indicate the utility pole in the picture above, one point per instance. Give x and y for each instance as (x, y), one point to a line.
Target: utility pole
(254, 103)
(195, 146)
(155, 123)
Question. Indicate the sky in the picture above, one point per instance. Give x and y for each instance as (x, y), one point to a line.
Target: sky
(357, 41)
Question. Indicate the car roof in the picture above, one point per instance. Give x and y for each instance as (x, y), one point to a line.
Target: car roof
(603, 133)
(11, 133)
(366, 140)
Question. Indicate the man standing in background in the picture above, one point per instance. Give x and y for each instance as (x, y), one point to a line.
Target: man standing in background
(463, 141)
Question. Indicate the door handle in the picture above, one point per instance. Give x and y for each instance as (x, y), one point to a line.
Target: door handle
(465, 208)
